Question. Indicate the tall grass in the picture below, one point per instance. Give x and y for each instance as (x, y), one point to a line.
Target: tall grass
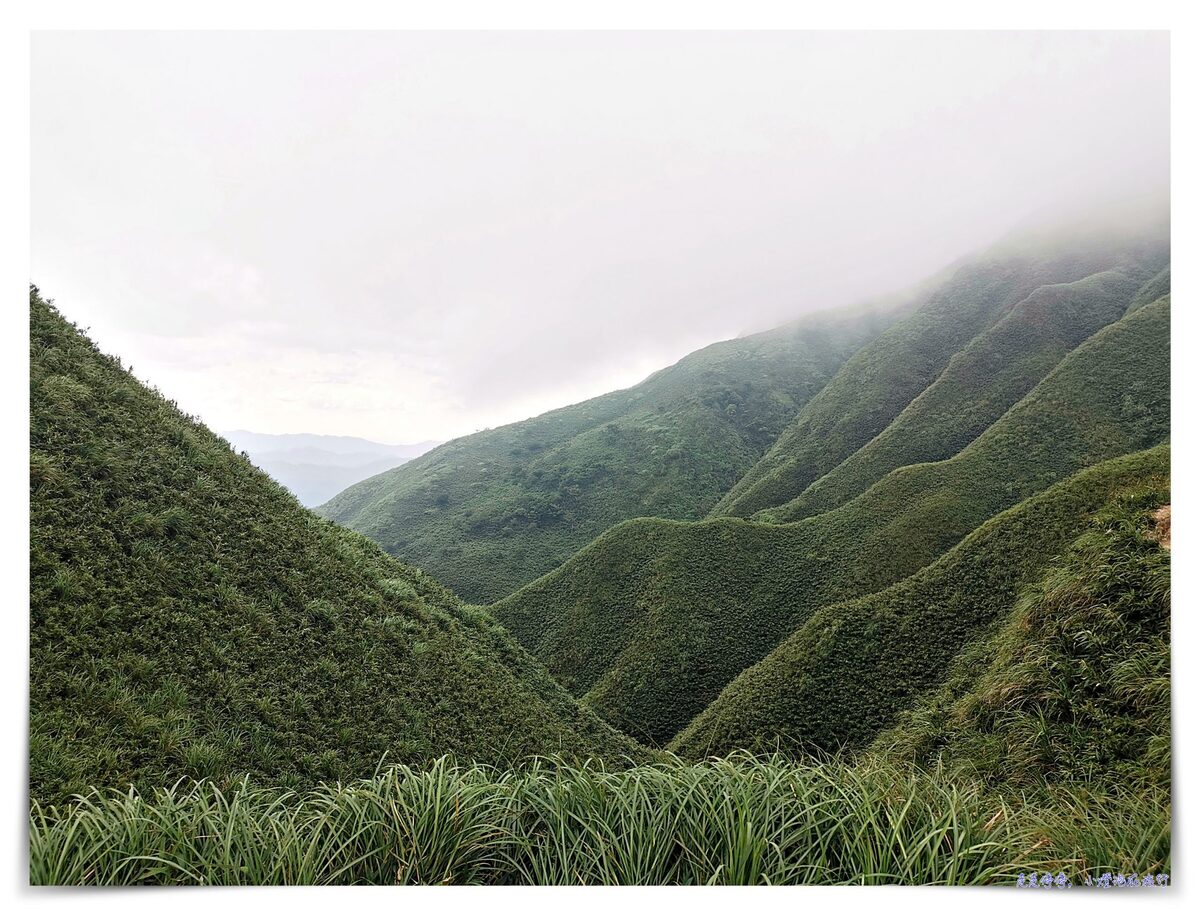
(738, 820)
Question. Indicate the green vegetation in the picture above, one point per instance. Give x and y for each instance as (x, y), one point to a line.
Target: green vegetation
(935, 651)
(992, 373)
(880, 380)
(1111, 395)
(653, 619)
(846, 674)
(492, 511)
(189, 618)
(1073, 705)
(1076, 683)
(1158, 287)
(735, 821)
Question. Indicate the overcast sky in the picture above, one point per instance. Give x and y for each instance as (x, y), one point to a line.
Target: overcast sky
(406, 236)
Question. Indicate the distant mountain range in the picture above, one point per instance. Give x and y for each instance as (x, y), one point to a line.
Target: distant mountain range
(317, 467)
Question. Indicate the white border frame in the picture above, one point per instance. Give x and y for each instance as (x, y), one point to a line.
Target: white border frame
(21, 18)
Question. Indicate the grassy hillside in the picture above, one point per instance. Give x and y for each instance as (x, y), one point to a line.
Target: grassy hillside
(188, 617)
(1076, 684)
(1158, 287)
(852, 667)
(875, 386)
(992, 373)
(654, 618)
(492, 511)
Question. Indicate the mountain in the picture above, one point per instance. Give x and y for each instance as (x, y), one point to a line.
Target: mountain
(316, 467)
(978, 385)
(852, 667)
(1001, 288)
(748, 425)
(189, 618)
(492, 511)
(653, 619)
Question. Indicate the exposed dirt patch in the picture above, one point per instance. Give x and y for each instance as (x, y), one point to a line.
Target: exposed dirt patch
(1162, 527)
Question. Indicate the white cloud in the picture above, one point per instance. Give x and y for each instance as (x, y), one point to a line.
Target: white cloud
(410, 236)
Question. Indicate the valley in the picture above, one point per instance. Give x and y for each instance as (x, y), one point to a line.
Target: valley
(892, 550)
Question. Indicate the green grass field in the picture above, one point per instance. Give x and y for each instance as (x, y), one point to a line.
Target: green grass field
(853, 668)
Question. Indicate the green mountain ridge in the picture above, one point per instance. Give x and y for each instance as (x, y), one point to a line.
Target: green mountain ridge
(492, 511)
(190, 618)
(1155, 289)
(876, 385)
(653, 619)
(979, 384)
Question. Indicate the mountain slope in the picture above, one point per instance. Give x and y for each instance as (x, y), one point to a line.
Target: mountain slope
(1076, 681)
(874, 386)
(1158, 287)
(490, 512)
(847, 672)
(188, 617)
(991, 374)
(655, 617)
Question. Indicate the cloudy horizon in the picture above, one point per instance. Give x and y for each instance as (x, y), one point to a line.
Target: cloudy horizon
(412, 236)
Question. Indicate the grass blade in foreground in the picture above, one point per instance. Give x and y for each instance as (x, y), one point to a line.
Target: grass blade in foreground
(737, 820)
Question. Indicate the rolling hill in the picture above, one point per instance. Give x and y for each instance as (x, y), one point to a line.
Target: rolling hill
(852, 667)
(976, 602)
(190, 618)
(492, 511)
(654, 618)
